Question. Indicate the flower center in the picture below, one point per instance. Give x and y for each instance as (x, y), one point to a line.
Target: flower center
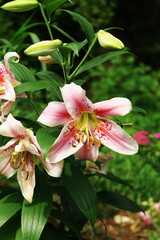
(2, 84)
(86, 122)
(17, 160)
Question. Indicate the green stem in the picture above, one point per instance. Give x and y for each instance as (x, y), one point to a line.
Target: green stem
(33, 104)
(46, 21)
(84, 58)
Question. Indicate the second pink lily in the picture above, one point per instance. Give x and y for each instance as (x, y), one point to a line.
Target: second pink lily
(86, 127)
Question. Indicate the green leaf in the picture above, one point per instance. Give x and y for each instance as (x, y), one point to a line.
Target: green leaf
(64, 219)
(75, 46)
(98, 60)
(35, 215)
(81, 191)
(119, 201)
(22, 73)
(57, 57)
(45, 138)
(19, 234)
(85, 24)
(8, 230)
(113, 178)
(29, 123)
(9, 206)
(138, 109)
(48, 75)
(33, 86)
(53, 6)
(79, 82)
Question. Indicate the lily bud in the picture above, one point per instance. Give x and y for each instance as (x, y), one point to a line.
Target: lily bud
(107, 40)
(46, 59)
(43, 48)
(20, 5)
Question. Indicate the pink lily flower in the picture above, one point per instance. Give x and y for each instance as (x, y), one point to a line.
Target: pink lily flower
(19, 154)
(86, 126)
(142, 137)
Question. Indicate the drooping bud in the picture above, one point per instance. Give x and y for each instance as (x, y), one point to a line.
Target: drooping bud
(46, 59)
(43, 48)
(107, 40)
(20, 5)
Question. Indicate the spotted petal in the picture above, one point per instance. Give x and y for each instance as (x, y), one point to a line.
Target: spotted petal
(114, 137)
(54, 114)
(88, 153)
(9, 92)
(116, 106)
(65, 145)
(75, 99)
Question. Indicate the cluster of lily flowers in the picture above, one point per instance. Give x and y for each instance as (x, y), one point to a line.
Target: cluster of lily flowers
(85, 129)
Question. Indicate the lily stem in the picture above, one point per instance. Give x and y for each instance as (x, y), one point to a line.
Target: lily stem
(46, 21)
(84, 58)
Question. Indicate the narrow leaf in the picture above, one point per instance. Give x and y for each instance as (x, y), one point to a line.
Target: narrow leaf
(45, 138)
(98, 60)
(85, 24)
(113, 178)
(22, 73)
(75, 46)
(119, 201)
(9, 205)
(48, 75)
(138, 109)
(33, 86)
(81, 191)
(35, 215)
(53, 6)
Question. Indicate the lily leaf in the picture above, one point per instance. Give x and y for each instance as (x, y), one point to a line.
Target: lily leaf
(119, 201)
(81, 191)
(53, 6)
(98, 60)
(85, 24)
(35, 215)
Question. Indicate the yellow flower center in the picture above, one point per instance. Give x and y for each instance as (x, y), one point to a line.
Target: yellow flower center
(86, 122)
(17, 160)
(2, 84)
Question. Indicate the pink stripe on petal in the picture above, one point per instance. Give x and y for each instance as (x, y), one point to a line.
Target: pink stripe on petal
(9, 92)
(65, 145)
(12, 128)
(116, 106)
(75, 99)
(54, 114)
(84, 153)
(5, 167)
(114, 137)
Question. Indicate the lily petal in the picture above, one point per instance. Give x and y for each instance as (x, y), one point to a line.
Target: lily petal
(26, 179)
(5, 167)
(88, 154)
(54, 114)
(53, 169)
(117, 106)
(26, 146)
(65, 145)
(6, 64)
(9, 92)
(114, 137)
(12, 128)
(75, 99)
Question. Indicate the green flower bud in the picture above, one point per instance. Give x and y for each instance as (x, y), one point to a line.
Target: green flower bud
(43, 48)
(20, 5)
(107, 40)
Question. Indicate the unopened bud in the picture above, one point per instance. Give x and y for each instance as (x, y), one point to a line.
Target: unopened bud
(20, 5)
(43, 48)
(107, 40)
(46, 59)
